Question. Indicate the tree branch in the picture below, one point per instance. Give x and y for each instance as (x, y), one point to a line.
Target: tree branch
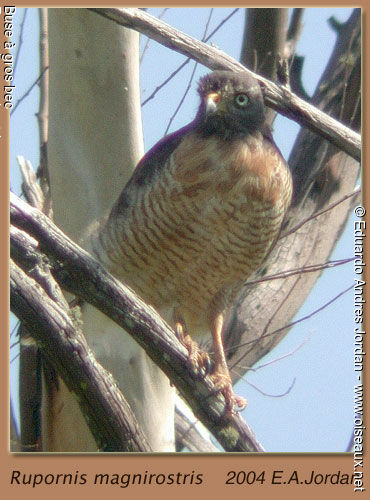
(30, 188)
(294, 30)
(79, 273)
(28, 91)
(40, 305)
(43, 113)
(20, 41)
(279, 98)
(188, 436)
(184, 63)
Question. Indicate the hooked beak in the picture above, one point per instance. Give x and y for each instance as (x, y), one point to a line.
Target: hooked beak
(212, 101)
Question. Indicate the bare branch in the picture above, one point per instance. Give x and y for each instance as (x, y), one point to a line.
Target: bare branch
(275, 360)
(44, 84)
(14, 358)
(294, 29)
(20, 40)
(188, 436)
(312, 268)
(182, 65)
(82, 275)
(107, 413)
(282, 394)
(263, 49)
(14, 344)
(164, 83)
(30, 188)
(316, 311)
(43, 113)
(285, 327)
(220, 24)
(279, 98)
(293, 61)
(160, 16)
(354, 193)
(28, 91)
(188, 86)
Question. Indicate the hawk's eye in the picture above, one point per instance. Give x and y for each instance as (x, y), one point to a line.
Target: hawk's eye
(241, 100)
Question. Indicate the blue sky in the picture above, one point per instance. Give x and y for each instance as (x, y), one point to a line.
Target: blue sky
(316, 415)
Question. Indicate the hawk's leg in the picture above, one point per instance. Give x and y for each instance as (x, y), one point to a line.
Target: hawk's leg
(198, 359)
(221, 375)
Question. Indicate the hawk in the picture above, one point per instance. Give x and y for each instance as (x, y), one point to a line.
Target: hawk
(199, 215)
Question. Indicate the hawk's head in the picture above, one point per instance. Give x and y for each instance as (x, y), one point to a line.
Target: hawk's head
(231, 104)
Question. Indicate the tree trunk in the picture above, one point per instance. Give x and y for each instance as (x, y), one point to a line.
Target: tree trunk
(95, 141)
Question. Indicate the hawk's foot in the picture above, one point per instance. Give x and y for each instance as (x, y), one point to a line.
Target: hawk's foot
(222, 381)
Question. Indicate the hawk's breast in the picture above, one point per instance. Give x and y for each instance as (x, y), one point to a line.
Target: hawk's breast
(204, 224)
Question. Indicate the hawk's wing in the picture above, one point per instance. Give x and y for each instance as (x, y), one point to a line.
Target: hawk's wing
(150, 165)
(155, 159)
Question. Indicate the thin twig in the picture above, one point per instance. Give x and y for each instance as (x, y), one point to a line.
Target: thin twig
(20, 41)
(288, 355)
(279, 358)
(221, 23)
(263, 365)
(321, 212)
(148, 40)
(355, 108)
(43, 113)
(258, 389)
(188, 87)
(293, 323)
(190, 79)
(14, 344)
(26, 94)
(281, 395)
(14, 358)
(313, 268)
(183, 64)
(14, 329)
